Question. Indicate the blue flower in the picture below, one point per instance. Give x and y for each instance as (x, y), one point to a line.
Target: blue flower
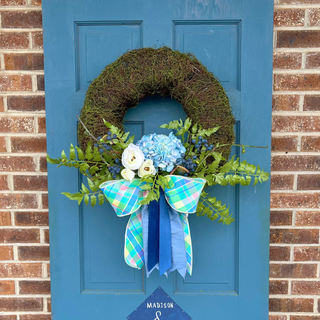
(162, 150)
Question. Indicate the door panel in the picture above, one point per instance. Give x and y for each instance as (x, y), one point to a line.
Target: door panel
(233, 38)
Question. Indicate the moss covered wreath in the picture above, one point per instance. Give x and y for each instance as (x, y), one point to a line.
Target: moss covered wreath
(165, 72)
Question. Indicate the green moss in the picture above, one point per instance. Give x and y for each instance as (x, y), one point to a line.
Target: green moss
(165, 72)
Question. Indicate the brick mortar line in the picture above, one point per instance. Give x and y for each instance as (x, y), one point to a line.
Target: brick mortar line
(22, 72)
(21, 51)
(295, 245)
(271, 209)
(293, 28)
(293, 134)
(21, 8)
(20, 29)
(297, 6)
(280, 279)
(20, 93)
(286, 227)
(293, 92)
(32, 244)
(294, 262)
(279, 313)
(22, 173)
(31, 227)
(297, 113)
(292, 191)
(296, 71)
(293, 153)
(293, 296)
(292, 50)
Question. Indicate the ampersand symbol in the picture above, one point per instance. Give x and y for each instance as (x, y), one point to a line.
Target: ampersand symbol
(157, 313)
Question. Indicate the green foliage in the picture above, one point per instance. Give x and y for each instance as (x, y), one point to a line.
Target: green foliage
(210, 165)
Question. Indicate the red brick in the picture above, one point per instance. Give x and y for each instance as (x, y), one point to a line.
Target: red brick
(284, 144)
(18, 201)
(27, 183)
(33, 253)
(10, 317)
(311, 103)
(309, 182)
(21, 304)
(14, 40)
(20, 270)
(298, 39)
(282, 182)
(310, 144)
(3, 147)
(37, 40)
(297, 1)
(21, 164)
(278, 287)
(6, 253)
(5, 218)
(19, 144)
(314, 17)
(31, 218)
(313, 60)
(33, 103)
(19, 236)
(17, 124)
(35, 317)
(36, 2)
(287, 60)
(277, 317)
(15, 82)
(285, 102)
(45, 203)
(4, 183)
(279, 253)
(13, 3)
(307, 218)
(49, 304)
(290, 305)
(307, 254)
(295, 200)
(1, 105)
(40, 82)
(16, 61)
(304, 317)
(295, 236)
(298, 82)
(34, 287)
(306, 287)
(48, 270)
(295, 163)
(46, 236)
(293, 270)
(43, 164)
(42, 125)
(281, 218)
(289, 17)
(7, 287)
(21, 19)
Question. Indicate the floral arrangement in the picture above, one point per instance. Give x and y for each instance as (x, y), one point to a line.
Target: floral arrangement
(187, 152)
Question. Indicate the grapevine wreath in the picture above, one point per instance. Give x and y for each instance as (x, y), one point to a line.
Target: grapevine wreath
(158, 180)
(145, 72)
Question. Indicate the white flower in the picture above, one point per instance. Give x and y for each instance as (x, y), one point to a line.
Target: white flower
(147, 168)
(127, 174)
(132, 157)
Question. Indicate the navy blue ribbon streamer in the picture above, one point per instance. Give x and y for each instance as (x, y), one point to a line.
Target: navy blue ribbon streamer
(159, 238)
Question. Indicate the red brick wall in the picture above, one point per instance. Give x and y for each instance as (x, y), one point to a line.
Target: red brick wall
(295, 180)
(295, 198)
(24, 249)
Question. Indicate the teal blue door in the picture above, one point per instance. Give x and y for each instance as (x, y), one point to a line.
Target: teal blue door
(233, 38)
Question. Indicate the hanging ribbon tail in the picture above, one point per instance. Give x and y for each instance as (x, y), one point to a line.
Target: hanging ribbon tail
(153, 235)
(133, 247)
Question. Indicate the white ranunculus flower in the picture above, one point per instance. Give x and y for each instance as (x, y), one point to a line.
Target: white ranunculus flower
(132, 157)
(147, 168)
(127, 174)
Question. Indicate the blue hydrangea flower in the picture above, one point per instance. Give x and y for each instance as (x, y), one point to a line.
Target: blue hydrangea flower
(162, 150)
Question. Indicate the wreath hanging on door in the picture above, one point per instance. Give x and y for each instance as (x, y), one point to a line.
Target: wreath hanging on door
(173, 170)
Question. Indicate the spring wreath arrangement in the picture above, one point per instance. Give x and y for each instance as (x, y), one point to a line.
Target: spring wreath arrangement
(160, 179)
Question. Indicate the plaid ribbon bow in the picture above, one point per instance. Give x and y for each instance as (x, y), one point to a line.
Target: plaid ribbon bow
(124, 196)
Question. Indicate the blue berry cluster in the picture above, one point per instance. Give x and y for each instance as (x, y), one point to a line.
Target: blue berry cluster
(103, 147)
(202, 143)
(188, 164)
(115, 169)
